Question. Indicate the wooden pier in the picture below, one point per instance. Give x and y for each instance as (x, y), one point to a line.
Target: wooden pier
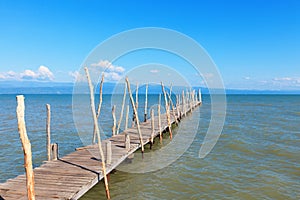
(71, 176)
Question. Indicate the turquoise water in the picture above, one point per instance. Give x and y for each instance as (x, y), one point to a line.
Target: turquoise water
(256, 157)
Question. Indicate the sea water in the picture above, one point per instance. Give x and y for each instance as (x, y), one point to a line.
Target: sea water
(256, 157)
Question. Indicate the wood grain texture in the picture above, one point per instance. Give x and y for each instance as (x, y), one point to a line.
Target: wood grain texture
(71, 176)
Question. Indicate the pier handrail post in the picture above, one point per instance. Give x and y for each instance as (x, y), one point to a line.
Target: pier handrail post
(167, 110)
(159, 117)
(99, 107)
(136, 114)
(152, 126)
(26, 147)
(200, 96)
(173, 109)
(97, 132)
(146, 103)
(113, 112)
(134, 122)
(183, 103)
(126, 119)
(48, 122)
(122, 110)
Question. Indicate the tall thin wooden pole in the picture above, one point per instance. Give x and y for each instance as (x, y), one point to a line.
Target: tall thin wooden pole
(126, 119)
(183, 103)
(173, 109)
(136, 105)
(167, 110)
(170, 93)
(122, 110)
(136, 115)
(26, 148)
(159, 118)
(200, 96)
(152, 126)
(146, 103)
(113, 112)
(99, 107)
(97, 131)
(48, 132)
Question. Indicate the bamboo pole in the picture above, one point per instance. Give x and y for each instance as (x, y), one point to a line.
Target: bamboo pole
(113, 112)
(159, 118)
(97, 131)
(170, 93)
(136, 115)
(173, 109)
(200, 96)
(99, 107)
(183, 103)
(178, 107)
(48, 143)
(152, 126)
(146, 103)
(122, 110)
(126, 119)
(167, 110)
(136, 105)
(26, 147)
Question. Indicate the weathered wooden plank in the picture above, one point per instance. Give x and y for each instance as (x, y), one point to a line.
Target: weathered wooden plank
(73, 175)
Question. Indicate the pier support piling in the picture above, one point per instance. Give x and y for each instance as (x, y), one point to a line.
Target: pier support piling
(26, 147)
(48, 143)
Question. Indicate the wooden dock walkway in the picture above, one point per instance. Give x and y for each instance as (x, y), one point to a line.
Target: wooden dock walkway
(73, 175)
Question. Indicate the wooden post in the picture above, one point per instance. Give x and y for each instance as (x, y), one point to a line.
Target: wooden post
(54, 149)
(152, 126)
(99, 107)
(173, 109)
(97, 131)
(134, 122)
(170, 93)
(108, 153)
(146, 103)
(136, 115)
(26, 147)
(48, 143)
(159, 118)
(126, 119)
(113, 112)
(200, 96)
(122, 110)
(167, 110)
(183, 103)
(127, 141)
(178, 107)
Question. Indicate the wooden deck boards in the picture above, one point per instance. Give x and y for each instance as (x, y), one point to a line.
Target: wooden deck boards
(74, 174)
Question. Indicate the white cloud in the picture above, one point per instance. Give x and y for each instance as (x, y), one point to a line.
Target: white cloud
(77, 76)
(247, 78)
(43, 73)
(154, 71)
(287, 81)
(111, 72)
(112, 76)
(208, 75)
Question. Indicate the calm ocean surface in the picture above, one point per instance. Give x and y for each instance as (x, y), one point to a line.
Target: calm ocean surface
(256, 157)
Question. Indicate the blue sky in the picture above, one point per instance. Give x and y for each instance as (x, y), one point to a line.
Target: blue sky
(255, 44)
